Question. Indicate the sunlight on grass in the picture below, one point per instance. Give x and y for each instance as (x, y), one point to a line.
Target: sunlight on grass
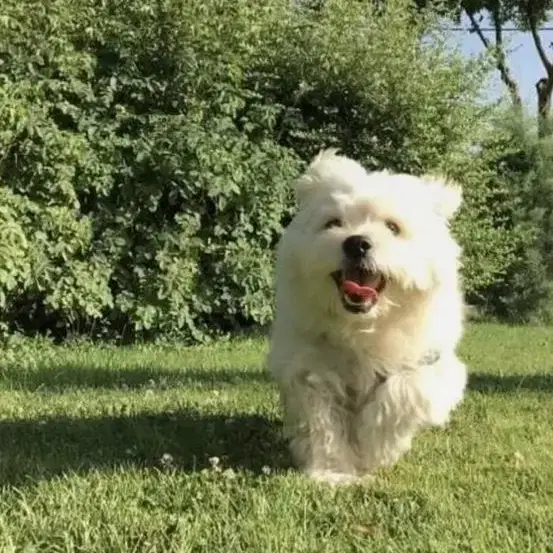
(179, 450)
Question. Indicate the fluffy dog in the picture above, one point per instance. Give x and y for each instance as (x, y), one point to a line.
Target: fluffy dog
(368, 315)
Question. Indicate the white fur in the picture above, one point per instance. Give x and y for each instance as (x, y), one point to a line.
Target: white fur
(341, 420)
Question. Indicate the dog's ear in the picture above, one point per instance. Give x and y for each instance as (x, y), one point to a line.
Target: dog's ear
(447, 196)
(313, 175)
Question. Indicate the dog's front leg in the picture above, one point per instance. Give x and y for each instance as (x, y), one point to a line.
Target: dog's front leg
(406, 402)
(431, 392)
(317, 424)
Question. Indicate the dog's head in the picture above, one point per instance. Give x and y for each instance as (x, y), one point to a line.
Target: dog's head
(362, 242)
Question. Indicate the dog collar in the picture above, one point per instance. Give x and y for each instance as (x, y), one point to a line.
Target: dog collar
(431, 357)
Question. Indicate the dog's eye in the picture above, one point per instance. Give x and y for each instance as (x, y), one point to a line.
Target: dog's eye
(394, 228)
(332, 223)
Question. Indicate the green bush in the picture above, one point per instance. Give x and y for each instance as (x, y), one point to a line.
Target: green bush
(523, 164)
(146, 149)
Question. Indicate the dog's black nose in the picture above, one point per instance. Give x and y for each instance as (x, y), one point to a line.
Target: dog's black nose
(356, 246)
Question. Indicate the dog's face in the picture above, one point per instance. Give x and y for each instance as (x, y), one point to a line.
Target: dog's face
(362, 243)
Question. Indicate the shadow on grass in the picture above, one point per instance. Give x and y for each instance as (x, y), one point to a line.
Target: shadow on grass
(511, 384)
(184, 441)
(82, 376)
(66, 377)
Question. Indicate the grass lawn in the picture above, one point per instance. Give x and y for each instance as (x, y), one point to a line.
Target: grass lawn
(107, 450)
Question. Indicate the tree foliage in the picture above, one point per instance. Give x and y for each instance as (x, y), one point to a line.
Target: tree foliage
(146, 149)
(509, 11)
(526, 166)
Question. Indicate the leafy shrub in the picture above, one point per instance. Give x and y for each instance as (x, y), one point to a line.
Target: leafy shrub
(523, 165)
(147, 147)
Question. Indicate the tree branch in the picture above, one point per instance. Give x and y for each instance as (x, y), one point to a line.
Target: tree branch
(539, 45)
(498, 30)
(476, 28)
(499, 54)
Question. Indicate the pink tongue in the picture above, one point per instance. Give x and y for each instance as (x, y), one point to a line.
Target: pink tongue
(351, 288)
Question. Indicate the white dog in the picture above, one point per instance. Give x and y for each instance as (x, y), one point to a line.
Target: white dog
(368, 316)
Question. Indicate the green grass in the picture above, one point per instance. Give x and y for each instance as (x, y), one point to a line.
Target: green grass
(107, 450)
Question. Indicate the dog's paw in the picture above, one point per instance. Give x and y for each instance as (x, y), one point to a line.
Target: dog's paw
(332, 478)
(438, 414)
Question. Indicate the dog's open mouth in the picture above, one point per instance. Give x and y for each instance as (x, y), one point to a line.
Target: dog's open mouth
(359, 288)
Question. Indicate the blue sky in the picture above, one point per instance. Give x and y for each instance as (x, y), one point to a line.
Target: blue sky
(523, 60)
